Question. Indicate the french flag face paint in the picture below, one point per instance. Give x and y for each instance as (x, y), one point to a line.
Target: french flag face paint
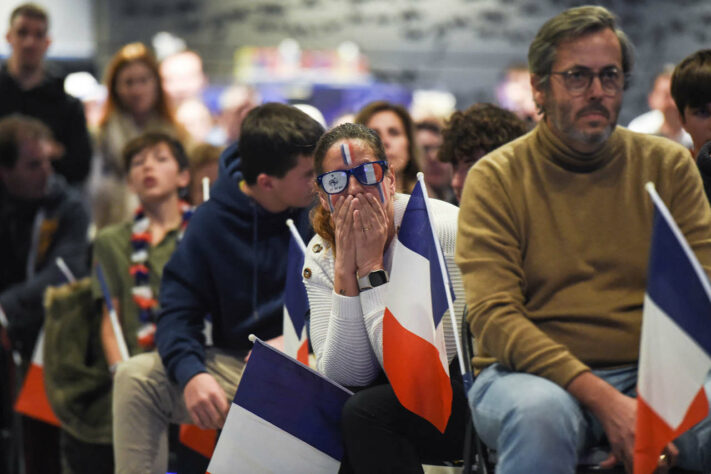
(346, 154)
(330, 203)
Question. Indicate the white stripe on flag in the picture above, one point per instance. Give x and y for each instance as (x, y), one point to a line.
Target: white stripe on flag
(669, 379)
(242, 441)
(411, 270)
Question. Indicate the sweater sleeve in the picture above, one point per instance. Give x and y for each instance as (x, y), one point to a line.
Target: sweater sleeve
(337, 329)
(489, 253)
(689, 206)
(179, 337)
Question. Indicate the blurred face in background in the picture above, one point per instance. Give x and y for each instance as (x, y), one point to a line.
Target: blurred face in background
(437, 173)
(388, 125)
(29, 42)
(29, 178)
(461, 169)
(137, 89)
(155, 174)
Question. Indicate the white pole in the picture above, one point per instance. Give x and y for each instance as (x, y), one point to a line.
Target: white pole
(113, 317)
(205, 188)
(64, 268)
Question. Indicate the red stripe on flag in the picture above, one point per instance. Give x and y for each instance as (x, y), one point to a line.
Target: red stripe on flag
(429, 394)
(199, 440)
(653, 433)
(302, 354)
(32, 400)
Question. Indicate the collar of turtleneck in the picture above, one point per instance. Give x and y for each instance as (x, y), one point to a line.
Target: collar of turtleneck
(564, 156)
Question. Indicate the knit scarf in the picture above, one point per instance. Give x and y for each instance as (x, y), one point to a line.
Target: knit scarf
(142, 293)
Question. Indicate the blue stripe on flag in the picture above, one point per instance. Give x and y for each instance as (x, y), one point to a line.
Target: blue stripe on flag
(675, 287)
(294, 398)
(416, 234)
(295, 297)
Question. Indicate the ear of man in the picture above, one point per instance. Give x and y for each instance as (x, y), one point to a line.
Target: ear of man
(265, 182)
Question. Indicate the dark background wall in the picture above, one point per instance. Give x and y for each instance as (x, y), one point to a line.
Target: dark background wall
(456, 45)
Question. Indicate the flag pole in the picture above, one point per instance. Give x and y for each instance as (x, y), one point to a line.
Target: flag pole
(445, 276)
(205, 188)
(113, 317)
(64, 268)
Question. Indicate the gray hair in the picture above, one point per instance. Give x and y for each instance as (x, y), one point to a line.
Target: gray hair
(572, 24)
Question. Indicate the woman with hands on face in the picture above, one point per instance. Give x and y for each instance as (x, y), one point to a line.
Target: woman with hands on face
(346, 278)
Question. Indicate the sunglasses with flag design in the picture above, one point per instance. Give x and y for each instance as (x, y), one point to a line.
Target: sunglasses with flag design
(367, 174)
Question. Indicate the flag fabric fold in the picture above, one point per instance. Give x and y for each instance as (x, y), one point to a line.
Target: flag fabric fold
(414, 351)
(296, 305)
(285, 417)
(675, 346)
(32, 400)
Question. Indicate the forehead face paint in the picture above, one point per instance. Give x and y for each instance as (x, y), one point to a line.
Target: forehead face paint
(346, 154)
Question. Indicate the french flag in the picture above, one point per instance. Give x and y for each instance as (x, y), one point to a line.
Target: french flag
(296, 305)
(32, 400)
(675, 345)
(285, 417)
(414, 351)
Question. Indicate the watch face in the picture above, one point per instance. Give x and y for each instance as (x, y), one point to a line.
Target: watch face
(378, 277)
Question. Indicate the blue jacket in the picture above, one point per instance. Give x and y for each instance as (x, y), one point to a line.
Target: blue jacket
(62, 232)
(230, 264)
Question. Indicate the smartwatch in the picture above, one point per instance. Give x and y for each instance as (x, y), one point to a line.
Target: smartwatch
(372, 279)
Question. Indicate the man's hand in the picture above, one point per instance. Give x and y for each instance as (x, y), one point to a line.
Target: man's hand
(618, 417)
(206, 401)
(617, 414)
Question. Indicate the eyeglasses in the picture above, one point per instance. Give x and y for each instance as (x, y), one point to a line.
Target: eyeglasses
(368, 174)
(577, 80)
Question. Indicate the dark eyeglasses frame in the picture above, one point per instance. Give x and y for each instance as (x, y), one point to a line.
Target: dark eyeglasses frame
(607, 87)
(351, 172)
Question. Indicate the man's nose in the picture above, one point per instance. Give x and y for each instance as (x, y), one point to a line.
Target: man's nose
(595, 88)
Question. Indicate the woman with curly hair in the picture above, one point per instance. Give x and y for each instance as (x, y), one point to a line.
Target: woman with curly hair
(471, 134)
(346, 277)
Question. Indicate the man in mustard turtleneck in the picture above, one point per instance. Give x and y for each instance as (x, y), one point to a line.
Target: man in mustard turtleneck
(554, 238)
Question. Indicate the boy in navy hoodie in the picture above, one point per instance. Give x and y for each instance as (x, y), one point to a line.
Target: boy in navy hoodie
(231, 265)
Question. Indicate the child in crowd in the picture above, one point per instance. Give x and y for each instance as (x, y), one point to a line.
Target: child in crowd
(691, 90)
(132, 256)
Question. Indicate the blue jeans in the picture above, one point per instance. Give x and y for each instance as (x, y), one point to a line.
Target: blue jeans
(537, 426)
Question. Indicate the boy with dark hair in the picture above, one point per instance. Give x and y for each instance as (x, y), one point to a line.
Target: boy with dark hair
(473, 133)
(231, 265)
(132, 255)
(691, 90)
